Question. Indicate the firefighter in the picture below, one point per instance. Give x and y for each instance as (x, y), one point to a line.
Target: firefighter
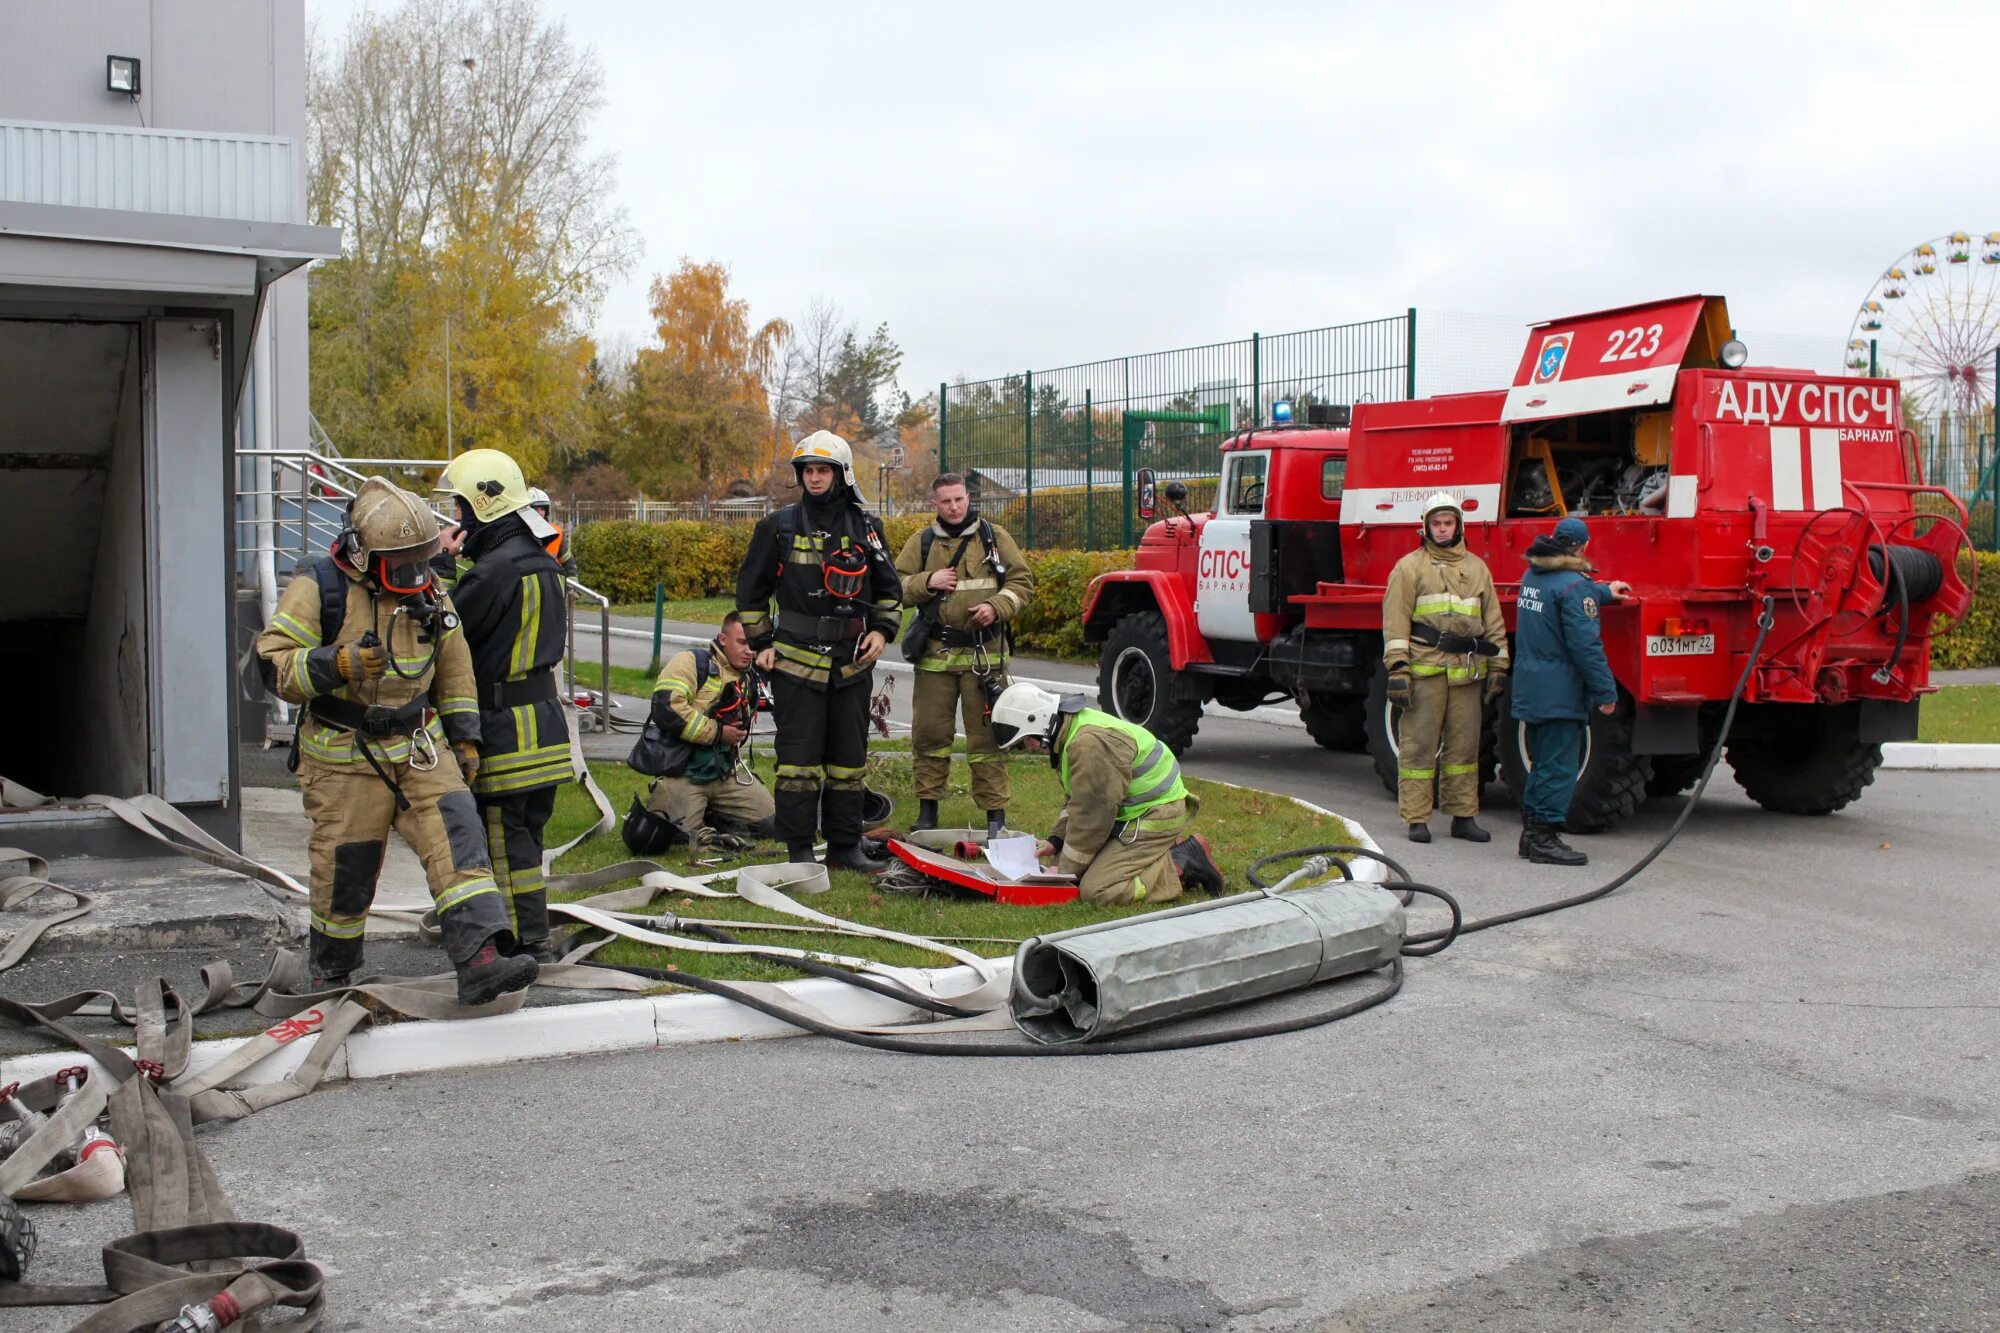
(558, 545)
(1445, 648)
(1124, 803)
(1563, 676)
(838, 600)
(968, 579)
(702, 709)
(388, 737)
(511, 603)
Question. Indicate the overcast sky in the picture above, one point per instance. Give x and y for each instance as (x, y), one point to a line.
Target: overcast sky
(1031, 185)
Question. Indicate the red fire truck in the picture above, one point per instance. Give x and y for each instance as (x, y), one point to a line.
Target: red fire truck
(1713, 487)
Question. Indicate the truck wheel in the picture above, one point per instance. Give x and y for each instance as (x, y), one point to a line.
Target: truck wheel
(1136, 680)
(1812, 763)
(1674, 773)
(1379, 720)
(1337, 721)
(1612, 785)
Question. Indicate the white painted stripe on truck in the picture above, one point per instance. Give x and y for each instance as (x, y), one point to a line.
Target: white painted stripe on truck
(1788, 481)
(1590, 393)
(1826, 479)
(1681, 491)
(1405, 504)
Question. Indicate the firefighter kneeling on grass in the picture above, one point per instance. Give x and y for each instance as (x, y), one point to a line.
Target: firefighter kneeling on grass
(376, 656)
(1445, 647)
(702, 709)
(1124, 803)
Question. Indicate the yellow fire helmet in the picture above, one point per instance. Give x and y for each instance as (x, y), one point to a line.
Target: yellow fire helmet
(391, 536)
(823, 446)
(492, 487)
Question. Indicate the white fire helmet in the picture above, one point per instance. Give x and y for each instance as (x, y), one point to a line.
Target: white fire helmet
(823, 446)
(1024, 710)
(538, 499)
(1443, 500)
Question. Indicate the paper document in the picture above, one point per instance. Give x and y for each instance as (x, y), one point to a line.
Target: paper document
(1013, 857)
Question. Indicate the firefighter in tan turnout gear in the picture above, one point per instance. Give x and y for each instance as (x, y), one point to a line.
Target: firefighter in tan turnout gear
(1444, 645)
(967, 579)
(387, 737)
(1124, 804)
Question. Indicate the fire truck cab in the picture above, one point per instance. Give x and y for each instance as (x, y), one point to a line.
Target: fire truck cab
(1720, 491)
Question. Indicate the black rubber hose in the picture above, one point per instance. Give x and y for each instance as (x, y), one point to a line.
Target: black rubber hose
(1010, 1050)
(882, 986)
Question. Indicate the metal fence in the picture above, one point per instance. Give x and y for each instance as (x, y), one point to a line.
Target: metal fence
(580, 512)
(1959, 452)
(1051, 453)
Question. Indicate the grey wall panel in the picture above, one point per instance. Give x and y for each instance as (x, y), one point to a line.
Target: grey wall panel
(188, 484)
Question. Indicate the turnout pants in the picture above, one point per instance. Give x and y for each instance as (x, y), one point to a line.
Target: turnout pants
(1555, 759)
(514, 824)
(1137, 864)
(352, 811)
(822, 741)
(940, 697)
(725, 805)
(1438, 741)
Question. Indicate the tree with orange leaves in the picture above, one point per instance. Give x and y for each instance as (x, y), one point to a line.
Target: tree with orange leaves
(696, 415)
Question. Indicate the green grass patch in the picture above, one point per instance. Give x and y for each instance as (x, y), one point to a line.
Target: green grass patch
(624, 680)
(1240, 826)
(1960, 715)
(707, 610)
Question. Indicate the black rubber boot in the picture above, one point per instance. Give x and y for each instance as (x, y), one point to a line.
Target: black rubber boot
(1466, 827)
(329, 981)
(1192, 858)
(996, 824)
(1420, 833)
(854, 858)
(927, 816)
(800, 853)
(489, 974)
(1527, 835)
(540, 950)
(1547, 848)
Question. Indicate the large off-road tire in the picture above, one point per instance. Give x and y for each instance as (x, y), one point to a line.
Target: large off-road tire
(1674, 774)
(1612, 785)
(1807, 761)
(1337, 721)
(1136, 680)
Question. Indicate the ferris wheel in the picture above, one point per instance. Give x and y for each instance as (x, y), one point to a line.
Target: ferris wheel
(1933, 321)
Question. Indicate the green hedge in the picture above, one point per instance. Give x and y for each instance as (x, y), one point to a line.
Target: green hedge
(623, 560)
(1976, 642)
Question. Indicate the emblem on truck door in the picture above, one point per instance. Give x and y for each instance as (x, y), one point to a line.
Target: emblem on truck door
(1549, 361)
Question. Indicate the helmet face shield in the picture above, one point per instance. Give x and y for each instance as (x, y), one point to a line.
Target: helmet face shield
(405, 572)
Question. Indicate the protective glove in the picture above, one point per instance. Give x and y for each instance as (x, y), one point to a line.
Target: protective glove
(468, 759)
(355, 663)
(1399, 684)
(1496, 681)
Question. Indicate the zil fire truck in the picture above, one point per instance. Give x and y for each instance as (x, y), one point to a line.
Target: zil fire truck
(1713, 487)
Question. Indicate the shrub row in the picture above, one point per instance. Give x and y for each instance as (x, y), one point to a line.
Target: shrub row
(1976, 641)
(623, 560)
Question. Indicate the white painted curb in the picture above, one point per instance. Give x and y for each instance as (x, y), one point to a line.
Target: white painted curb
(600, 1027)
(1941, 758)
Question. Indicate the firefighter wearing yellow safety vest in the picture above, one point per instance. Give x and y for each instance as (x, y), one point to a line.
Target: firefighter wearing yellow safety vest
(1444, 646)
(387, 737)
(1124, 804)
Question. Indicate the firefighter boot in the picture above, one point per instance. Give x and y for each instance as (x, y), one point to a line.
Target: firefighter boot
(1466, 827)
(1527, 835)
(800, 853)
(1420, 833)
(1196, 865)
(1546, 848)
(489, 974)
(854, 857)
(927, 816)
(996, 824)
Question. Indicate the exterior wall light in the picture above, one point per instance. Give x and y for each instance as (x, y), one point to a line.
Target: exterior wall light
(121, 75)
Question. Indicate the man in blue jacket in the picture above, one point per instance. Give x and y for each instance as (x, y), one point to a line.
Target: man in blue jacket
(1560, 674)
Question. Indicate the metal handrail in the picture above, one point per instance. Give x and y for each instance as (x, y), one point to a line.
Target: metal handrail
(576, 590)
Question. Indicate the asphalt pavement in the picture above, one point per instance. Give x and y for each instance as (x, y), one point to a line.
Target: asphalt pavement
(1757, 1088)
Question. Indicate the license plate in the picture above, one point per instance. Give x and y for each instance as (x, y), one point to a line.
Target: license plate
(1680, 645)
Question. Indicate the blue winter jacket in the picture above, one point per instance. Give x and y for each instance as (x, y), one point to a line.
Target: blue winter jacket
(1559, 666)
